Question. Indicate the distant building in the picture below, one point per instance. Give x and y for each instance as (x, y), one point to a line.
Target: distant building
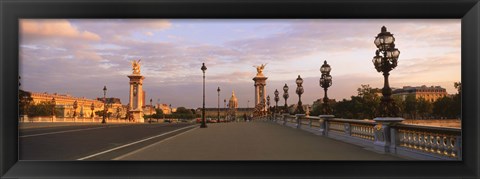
(149, 110)
(431, 93)
(166, 109)
(64, 105)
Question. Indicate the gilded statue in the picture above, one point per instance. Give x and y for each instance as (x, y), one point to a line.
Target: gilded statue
(260, 69)
(136, 66)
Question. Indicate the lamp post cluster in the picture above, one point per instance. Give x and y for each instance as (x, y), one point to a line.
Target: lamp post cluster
(384, 63)
(325, 82)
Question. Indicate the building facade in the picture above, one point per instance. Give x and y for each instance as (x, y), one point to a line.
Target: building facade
(430, 94)
(86, 108)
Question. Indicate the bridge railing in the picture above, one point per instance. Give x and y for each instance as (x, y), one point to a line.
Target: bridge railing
(413, 141)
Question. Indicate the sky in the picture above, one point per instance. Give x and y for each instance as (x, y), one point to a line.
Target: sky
(80, 56)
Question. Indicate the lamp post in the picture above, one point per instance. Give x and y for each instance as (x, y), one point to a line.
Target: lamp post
(53, 109)
(151, 106)
(225, 108)
(285, 96)
(104, 104)
(268, 104)
(218, 104)
(299, 91)
(384, 64)
(325, 82)
(203, 125)
(276, 100)
(92, 107)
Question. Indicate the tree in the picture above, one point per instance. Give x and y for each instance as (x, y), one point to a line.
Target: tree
(410, 106)
(183, 110)
(25, 100)
(158, 114)
(424, 107)
(100, 113)
(316, 108)
(442, 108)
(41, 109)
(458, 86)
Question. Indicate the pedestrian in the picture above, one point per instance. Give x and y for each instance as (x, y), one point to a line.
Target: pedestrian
(245, 117)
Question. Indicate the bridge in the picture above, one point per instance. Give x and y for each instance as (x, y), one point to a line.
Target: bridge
(277, 137)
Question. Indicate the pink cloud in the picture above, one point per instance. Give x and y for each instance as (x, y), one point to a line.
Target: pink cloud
(54, 28)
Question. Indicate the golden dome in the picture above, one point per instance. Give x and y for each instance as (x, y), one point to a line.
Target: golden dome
(233, 102)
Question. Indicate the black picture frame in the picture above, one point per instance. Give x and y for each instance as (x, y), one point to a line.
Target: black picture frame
(467, 10)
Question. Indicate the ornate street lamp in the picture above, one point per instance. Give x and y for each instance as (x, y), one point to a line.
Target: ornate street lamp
(276, 100)
(299, 91)
(385, 63)
(53, 109)
(104, 104)
(285, 96)
(203, 125)
(325, 82)
(218, 105)
(151, 106)
(75, 106)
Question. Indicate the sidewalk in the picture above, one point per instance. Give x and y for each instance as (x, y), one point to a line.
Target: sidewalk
(252, 141)
(30, 125)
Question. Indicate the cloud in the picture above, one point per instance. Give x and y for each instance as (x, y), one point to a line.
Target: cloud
(54, 28)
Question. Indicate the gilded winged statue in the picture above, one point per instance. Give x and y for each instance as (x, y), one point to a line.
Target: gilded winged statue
(260, 69)
(136, 66)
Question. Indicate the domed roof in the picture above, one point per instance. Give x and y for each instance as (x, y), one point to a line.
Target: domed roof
(233, 98)
(233, 102)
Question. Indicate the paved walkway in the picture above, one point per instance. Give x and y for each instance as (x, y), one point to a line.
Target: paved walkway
(252, 141)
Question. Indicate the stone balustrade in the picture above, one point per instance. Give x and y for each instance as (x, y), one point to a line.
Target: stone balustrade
(383, 135)
(438, 142)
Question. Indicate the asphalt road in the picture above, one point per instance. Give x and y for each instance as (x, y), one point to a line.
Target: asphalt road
(92, 142)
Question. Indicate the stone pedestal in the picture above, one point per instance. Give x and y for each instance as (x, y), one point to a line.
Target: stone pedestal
(298, 118)
(136, 97)
(382, 132)
(323, 123)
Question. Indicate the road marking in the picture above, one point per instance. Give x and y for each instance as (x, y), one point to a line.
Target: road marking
(59, 132)
(148, 146)
(136, 142)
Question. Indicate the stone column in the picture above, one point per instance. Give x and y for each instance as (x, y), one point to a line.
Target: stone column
(298, 118)
(136, 100)
(383, 134)
(260, 83)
